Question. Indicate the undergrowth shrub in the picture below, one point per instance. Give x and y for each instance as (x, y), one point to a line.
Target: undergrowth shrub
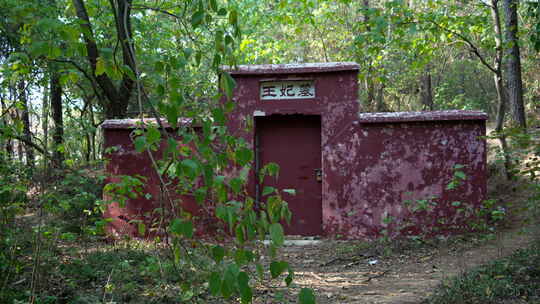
(511, 278)
(74, 200)
(13, 186)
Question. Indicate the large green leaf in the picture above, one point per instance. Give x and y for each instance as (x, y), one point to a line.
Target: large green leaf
(215, 283)
(243, 156)
(153, 136)
(190, 168)
(197, 18)
(246, 294)
(289, 278)
(268, 190)
(306, 296)
(277, 268)
(227, 84)
(228, 285)
(100, 66)
(461, 175)
(236, 184)
(219, 116)
(277, 234)
(171, 113)
(218, 253)
(140, 143)
(182, 227)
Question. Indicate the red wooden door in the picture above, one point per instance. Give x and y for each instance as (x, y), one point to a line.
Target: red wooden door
(294, 143)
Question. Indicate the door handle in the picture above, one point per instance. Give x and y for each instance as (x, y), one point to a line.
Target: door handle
(318, 174)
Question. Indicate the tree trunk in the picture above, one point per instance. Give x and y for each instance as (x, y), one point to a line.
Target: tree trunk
(20, 151)
(45, 118)
(499, 86)
(368, 82)
(370, 88)
(93, 133)
(515, 83)
(426, 91)
(10, 147)
(116, 98)
(87, 151)
(7, 145)
(381, 107)
(27, 133)
(499, 124)
(56, 107)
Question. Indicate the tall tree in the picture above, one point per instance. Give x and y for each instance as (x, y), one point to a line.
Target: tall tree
(116, 96)
(6, 143)
(462, 32)
(45, 107)
(369, 83)
(426, 90)
(515, 82)
(56, 107)
(25, 116)
(499, 84)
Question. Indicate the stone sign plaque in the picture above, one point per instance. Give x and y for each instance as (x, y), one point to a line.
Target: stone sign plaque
(274, 90)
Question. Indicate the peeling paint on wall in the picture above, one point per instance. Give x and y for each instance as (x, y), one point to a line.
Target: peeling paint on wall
(382, 173)
(374, 162)
(123, 159)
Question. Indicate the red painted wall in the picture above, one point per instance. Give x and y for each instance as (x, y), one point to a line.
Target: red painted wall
(123, 159)
(388, 166)
(376, 167)
(374, 163)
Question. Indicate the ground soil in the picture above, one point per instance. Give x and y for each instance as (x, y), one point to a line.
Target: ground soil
(341, 272)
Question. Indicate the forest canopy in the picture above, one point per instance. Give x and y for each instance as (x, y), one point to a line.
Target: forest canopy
(69, 65)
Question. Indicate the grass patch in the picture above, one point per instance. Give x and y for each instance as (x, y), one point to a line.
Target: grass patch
(514, 278)
(133, 271)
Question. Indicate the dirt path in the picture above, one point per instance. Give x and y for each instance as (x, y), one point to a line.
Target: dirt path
(349, 272)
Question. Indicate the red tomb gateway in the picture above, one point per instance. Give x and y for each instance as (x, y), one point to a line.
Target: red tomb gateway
(123, 160)
(356, 175)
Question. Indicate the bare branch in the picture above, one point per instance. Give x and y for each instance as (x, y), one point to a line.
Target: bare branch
(469, 43)
(25, 141)
(159, 10)
(83, 71)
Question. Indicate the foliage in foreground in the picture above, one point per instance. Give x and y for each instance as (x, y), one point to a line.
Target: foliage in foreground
(516, 277)
(127, 272)
(52, 251)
